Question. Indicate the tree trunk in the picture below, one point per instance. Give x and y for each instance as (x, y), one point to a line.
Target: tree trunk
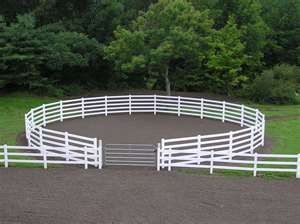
(167, 81)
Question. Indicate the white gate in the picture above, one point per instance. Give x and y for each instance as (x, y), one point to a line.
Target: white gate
(130, 154)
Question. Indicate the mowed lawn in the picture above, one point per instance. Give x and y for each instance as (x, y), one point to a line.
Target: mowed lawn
(12, 110)
(283, 121)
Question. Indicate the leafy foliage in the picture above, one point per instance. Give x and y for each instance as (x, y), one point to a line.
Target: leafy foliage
(169, 31)
(192, 45)
(276, 85)
(32, 57)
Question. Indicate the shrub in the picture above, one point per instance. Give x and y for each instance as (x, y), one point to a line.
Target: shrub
(277, 85)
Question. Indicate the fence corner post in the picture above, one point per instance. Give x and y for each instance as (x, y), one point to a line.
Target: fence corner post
(211, 169)
(298, 166)
(5, 156)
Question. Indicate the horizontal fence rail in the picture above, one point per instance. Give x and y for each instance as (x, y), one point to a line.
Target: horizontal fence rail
(46, 155)
(234, 150)
(130, 154)
(212, 160)
(245, 140)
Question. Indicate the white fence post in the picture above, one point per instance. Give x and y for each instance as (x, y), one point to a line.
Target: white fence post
(5, 156)
(105, 102)
(169, 159)
(44, 157)
(44, 115)
(163, 153)
(178, 105)
(82, 107)
(100, 155)
(252, 141)
(199, 148)
(263, 131)
(201, 108)
(158, 157)
(129, 104)
(61, 111)
(154, 104)
(223, 111)
(256, 117)
(95, 152)
(85, 158)
(230, 144)
(298, 166)
(67, 146)
(242, 115)
(211, 169)
(255, 165)
(41, 136)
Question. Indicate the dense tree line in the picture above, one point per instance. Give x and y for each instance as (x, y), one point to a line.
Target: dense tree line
(242, 47)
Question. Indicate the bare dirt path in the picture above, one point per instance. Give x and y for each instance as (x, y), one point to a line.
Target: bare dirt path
(129, 196)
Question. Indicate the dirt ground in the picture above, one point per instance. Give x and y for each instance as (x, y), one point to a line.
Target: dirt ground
(141, 128)
(134, 196)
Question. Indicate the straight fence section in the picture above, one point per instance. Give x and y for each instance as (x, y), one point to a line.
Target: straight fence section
(46, 155)
(194, 158)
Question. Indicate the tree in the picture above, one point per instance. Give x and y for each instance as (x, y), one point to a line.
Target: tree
(34, 57)
(283, 18)
(226, 59)
(248, 17)
(170, 31)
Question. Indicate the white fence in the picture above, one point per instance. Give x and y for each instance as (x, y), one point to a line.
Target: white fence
(233, 150)
(169, 158)
(246, 140)
(45, 155)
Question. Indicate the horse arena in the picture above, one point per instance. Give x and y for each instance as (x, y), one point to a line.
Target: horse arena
(124, 141)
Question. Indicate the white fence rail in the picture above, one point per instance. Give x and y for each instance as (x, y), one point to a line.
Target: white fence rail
(45, 155)
(246, 140)
(170, 158)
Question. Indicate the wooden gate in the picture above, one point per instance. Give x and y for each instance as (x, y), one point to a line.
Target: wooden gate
(130, 154)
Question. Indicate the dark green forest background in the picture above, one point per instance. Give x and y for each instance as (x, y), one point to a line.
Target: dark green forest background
(248, 48)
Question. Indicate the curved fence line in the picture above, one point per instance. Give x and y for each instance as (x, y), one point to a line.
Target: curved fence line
(245, 140)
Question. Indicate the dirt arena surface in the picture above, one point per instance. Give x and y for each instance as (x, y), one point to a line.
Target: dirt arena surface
(134, 196)
(141, 128)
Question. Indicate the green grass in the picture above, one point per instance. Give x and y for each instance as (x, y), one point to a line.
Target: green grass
(12, 110)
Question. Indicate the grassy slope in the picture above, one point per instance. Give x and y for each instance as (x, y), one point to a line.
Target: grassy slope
(12, 110)
(283, 126)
